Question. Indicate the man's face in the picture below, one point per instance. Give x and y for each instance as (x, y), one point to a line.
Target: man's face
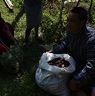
(74, 24)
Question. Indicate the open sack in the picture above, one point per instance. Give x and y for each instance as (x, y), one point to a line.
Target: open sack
(52, 78)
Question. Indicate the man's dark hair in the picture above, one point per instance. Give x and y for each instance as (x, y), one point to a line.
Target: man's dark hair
(82, 12)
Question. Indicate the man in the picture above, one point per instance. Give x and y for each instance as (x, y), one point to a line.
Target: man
(80, 44)
(33, 9)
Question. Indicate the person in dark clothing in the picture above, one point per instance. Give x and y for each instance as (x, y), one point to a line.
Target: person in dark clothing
(79, 42)
(6, 34)
(33, 10)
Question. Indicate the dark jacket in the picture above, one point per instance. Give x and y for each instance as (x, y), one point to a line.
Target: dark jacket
(82, 48)
(5, 33)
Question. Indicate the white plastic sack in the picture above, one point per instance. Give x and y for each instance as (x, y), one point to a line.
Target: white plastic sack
(52, 78)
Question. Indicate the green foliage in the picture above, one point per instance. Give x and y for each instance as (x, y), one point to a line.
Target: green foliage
(53, 22)
(17, 3)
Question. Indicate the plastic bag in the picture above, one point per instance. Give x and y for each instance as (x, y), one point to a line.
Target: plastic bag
(52, 78)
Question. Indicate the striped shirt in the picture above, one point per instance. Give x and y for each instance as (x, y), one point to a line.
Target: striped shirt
(82, 48)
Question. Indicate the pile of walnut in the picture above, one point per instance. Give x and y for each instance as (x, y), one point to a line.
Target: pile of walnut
(60, 62)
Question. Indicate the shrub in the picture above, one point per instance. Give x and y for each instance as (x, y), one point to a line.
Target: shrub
(11, 60)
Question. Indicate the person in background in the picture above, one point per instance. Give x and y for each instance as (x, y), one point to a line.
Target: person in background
(79, 42)
(33, 10)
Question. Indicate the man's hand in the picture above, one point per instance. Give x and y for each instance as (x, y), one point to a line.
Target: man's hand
(72, 85)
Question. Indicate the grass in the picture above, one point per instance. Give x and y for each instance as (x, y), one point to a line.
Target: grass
(23, 84)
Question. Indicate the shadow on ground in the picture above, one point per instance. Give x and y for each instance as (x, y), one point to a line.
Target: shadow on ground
(23, 83)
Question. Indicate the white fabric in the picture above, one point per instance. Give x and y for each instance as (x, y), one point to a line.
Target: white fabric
(9, 4)
(67, 1)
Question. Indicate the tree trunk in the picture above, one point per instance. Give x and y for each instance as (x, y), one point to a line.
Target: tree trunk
(90, 19)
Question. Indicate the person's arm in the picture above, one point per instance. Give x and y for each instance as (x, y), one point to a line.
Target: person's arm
(62, 46)
(87, 74)
(59, 48)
